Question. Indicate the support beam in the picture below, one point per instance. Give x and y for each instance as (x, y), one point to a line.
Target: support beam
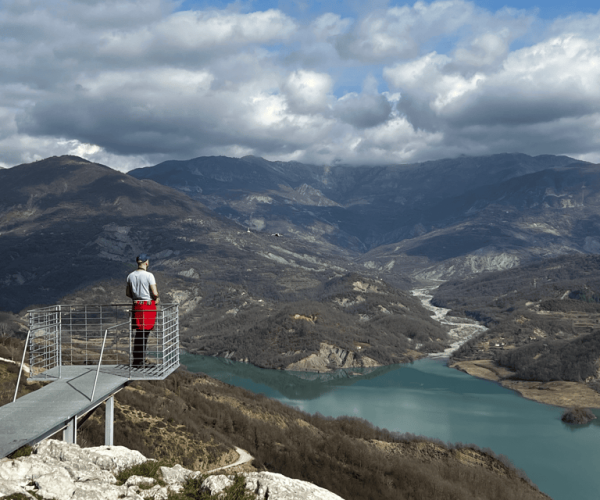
(70, 432)
(109, 422)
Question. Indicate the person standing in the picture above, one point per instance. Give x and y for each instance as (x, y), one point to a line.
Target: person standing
(141, 288)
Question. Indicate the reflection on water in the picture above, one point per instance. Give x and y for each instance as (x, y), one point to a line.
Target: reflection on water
(291, 385)
(429, 399)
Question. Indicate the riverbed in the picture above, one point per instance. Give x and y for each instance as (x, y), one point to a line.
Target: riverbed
(460, 331)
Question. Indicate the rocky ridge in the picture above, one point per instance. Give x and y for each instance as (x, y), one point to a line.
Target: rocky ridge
(57, 470)
(435, 220)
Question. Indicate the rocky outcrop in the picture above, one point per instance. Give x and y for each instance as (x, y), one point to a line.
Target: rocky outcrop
(331, 358)
(484, 259)
(269, 485)
(577, 416)
(57, 470)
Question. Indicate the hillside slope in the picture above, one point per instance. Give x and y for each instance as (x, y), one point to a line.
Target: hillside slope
(70, 231)
(194, 420)
(544, 328)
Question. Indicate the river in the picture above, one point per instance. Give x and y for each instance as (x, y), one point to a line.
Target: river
(428, 398)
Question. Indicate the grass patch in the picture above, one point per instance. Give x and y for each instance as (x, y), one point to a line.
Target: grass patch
(150, 468)
(192, 490)
(24, 451)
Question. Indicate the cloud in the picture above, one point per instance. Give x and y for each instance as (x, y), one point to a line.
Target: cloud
(183, 36)
(307, 91)
(134, 82)
(539, 97)
(367, 109)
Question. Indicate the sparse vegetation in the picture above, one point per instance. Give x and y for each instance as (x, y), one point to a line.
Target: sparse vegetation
(543, 319)
(387, 322)
(192, 491)
(346, 455)
(577, 416)
(150, 468)
(24, 451)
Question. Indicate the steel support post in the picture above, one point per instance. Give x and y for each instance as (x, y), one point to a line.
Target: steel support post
(109, 423)
(70, 432)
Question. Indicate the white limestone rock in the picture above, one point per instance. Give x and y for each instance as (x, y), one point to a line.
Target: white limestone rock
(23, 470)
(139, 481)
(272, 486)
(100, 491)
(8, 488)
(157, 492)
(216, 484)
(57, 484)
(177, 474)
(108, 458)
(62, 471)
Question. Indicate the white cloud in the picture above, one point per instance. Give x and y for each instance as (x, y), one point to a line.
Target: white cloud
(191, 34)
(329, 25)
(134, 82)
(308, 91)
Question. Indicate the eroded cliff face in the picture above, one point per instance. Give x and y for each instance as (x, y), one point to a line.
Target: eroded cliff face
(330, 358)
(57, 470)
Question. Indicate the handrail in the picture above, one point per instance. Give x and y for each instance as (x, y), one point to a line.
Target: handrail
(21, 367)
(102, 352)
(120, 304)
(42, 327)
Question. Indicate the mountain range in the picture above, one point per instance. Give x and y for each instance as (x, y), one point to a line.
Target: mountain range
(433, 220)
(243, 245)
(70, 231)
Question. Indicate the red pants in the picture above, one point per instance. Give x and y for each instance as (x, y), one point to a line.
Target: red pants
(144, 315)
(142, 321)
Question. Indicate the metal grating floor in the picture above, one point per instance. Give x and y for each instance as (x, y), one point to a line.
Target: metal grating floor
(44, 412)
(150, 371)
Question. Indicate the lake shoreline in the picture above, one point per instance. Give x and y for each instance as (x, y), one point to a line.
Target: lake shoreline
(426, 398)
(556, 393)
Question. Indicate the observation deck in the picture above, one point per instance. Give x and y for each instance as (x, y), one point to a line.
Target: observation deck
(88, 353)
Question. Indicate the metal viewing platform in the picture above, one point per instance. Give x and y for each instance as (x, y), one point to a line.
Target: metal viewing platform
(88, 352)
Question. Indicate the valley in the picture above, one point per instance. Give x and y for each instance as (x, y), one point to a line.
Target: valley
(566, 394)
(295, 266)
(308, 270)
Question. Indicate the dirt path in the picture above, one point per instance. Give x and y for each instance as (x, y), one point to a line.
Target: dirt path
(245, 457)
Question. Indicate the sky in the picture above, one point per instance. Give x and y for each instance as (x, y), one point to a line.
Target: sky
(132, 83)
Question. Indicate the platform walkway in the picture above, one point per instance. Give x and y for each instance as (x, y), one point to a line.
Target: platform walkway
(87, 353)
(58, 405)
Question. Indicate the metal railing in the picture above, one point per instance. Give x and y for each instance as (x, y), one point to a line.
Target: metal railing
(101, 336)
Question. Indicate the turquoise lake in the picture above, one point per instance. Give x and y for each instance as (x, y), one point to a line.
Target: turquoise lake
(428, 398)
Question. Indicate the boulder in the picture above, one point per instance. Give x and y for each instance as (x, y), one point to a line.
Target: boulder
(272, 486)
(177, 474)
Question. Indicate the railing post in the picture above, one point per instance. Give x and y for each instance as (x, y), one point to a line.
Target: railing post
(130, 347)
(99, 363)
(59, 343)
(109, 422)
(22, 361)
(162, 354)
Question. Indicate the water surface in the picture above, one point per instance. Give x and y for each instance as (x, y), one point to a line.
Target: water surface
(428, 398)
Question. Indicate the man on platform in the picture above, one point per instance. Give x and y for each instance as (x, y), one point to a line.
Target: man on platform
(141, 288)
